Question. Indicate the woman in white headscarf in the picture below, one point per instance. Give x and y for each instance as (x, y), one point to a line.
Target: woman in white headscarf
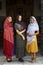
(32, 32)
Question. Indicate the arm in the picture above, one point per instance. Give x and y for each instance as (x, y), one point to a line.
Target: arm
(19, 33)
(36, 33)
(23, 31)
(33, 34)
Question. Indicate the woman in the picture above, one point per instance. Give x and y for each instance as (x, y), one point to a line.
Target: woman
(20, 38)
(8, 39)
(32, 32)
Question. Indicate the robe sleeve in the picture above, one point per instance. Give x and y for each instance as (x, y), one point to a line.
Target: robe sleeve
(17, 26)
(37, 27)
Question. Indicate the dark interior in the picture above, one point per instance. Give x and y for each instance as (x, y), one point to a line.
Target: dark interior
(26, 8)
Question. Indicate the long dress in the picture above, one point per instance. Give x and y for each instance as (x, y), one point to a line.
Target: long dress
(8, 46)
(20, 44)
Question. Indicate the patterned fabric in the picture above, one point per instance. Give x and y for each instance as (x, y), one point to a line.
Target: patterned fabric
(20, 44)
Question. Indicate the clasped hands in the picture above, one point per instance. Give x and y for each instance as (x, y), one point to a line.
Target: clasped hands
(30, 35)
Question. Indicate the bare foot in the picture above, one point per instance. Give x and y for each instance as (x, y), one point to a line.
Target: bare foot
(33, 60)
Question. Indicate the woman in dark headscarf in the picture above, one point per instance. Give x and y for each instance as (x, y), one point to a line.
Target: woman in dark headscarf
(20, 38)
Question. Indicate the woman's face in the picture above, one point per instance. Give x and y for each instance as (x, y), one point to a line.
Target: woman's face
(31, 20)
(10, 19)
(20, 18)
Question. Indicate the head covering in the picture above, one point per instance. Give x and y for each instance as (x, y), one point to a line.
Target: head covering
(35, 21)
(35, 24)
(7, 23)
(8, 30)
(8, 39)
(32, 28)
(33, 18)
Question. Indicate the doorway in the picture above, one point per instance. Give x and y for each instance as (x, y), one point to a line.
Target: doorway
(24, 7)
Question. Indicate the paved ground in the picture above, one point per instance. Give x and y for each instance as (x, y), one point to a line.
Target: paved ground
(39, 59)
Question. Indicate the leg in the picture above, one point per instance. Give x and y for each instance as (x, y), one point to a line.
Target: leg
(31, 57)
(34, 57)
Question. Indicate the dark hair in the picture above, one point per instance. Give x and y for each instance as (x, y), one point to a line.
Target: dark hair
(18, 16)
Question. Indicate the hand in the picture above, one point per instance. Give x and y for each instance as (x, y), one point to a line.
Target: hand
(23, 38)
(30, 35)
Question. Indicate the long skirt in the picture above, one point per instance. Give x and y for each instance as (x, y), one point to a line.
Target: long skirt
(33, 47)
(8, 48)
(20, 47)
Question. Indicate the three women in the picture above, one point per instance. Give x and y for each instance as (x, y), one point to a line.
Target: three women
(32, 32)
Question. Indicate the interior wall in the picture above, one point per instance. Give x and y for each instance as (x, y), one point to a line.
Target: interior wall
(37, 8)
(2, 7)
(25, 7)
